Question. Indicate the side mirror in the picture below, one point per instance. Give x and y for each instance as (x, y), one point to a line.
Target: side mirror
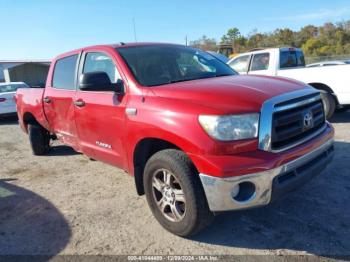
(98, 81)
(119, 87)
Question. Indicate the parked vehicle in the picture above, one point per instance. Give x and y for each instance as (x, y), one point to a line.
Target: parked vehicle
(7, 93)
(290, 62)
(329, 63)
(197, 141)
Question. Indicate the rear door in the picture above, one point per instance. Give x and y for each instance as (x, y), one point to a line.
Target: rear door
(260, 64)
(59, 97)
(100, 115)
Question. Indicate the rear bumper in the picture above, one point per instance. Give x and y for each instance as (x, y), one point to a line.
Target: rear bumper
(258, 189)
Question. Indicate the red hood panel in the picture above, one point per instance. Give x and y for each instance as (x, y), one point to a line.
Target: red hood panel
(231, 94)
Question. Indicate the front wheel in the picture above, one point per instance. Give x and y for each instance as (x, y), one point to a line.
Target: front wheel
(175, 194)
(329, 104)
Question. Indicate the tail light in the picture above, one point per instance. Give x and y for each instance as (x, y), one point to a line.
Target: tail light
(2, 99)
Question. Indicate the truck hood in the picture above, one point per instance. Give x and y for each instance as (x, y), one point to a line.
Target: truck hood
(230, 94)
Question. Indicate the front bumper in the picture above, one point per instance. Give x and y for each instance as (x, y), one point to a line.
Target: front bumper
(258, 189)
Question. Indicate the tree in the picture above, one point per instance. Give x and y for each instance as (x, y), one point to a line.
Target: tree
(306, 33)
(256, 40)
(327, 34)
(284, 37)
(311, 46)
(240, 43)
(205, 43)
(231, 36)
(328, 39)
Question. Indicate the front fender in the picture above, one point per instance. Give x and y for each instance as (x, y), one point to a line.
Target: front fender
(183, 131)
(176, 121)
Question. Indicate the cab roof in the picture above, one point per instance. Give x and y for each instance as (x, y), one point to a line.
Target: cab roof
(118, 45)
(131, 44)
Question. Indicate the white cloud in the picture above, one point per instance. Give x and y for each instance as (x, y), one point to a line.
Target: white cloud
(316, 15)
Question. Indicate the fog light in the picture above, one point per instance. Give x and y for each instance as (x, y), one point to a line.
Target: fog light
(244, 191)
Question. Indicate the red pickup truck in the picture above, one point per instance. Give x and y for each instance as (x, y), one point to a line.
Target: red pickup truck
(198, 138)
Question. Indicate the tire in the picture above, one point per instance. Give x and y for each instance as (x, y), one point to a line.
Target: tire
(329, 104)
(39, 139)
(193, 214)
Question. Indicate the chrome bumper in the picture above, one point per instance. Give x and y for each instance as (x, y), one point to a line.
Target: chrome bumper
(223, 193)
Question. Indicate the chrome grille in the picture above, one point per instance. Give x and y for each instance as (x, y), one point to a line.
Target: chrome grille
(290, 126)
(291, 119)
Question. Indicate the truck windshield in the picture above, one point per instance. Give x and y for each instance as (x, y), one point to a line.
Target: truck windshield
(164, 64)
(291, 58)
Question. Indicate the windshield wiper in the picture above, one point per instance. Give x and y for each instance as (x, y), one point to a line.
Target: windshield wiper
(204, 77)
(190, 79)
(181, 80)
(172, 81)
(223, 75)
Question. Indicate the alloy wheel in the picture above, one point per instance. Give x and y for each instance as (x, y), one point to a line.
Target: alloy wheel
(169, 195)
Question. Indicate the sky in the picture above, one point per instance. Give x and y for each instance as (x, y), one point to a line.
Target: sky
(42, 29)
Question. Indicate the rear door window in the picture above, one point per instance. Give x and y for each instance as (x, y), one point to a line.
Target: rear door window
(240, 64)
(65, 72)
(260, 62)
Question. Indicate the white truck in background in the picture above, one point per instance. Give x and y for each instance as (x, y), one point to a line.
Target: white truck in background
(289, 62)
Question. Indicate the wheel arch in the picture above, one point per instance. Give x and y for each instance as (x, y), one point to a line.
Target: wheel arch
(326, 88)
(29, 118)
(144, 149)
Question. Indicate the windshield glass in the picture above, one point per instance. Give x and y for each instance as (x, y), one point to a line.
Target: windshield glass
(11, 87)
(163, 64)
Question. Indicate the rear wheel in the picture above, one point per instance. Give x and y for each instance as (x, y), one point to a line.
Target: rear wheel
(175, 194)
(329, 104)
(39, 139)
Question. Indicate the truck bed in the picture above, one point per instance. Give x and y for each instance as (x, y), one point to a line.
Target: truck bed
(333, 76)
(30, 104)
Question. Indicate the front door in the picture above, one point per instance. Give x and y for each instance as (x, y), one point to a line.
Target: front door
(100, 115)
(240, 64)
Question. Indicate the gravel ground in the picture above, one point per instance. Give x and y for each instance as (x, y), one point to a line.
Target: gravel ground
(66, 204)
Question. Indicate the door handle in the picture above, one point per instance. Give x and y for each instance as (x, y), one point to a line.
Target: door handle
(79, 103)
(47, 100)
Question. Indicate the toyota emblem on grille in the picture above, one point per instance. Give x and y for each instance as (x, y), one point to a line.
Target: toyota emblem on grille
(308, 120)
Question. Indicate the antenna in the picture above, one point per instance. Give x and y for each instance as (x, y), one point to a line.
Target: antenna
(133, 21)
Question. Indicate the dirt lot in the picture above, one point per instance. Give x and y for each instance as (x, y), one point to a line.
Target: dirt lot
(65, 204)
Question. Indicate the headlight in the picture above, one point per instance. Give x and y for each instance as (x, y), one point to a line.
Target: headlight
(231, 127)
